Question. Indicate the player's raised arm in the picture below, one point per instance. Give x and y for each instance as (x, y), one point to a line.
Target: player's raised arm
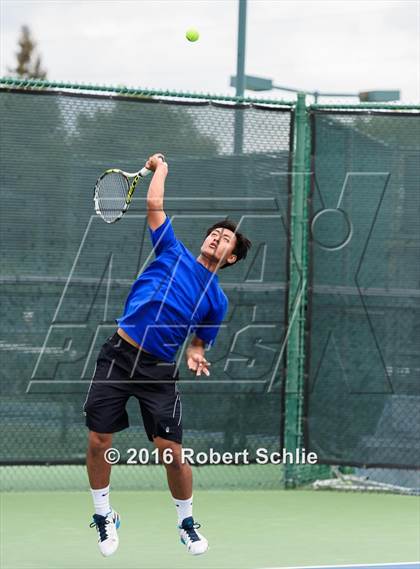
(155, 214)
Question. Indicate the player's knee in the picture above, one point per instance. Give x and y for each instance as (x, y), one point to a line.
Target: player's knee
(175, 461)
(99, 442)
(170, 453)
(175, 464)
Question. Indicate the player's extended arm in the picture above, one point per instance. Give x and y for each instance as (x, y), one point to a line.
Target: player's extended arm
(155, 214)
(194, 355)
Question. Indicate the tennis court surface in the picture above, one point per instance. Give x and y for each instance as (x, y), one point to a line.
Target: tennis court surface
(246, 530)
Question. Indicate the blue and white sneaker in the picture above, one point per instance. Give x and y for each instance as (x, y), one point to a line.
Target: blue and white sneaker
(195, 543)
(107, 526)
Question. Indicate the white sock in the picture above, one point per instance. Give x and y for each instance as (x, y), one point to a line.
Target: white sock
(101, 500)
(183, 509)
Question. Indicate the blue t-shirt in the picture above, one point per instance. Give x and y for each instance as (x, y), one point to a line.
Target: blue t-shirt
(174, 296)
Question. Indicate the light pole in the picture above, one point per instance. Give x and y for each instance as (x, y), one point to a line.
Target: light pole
(240, 74)
(254, 83)
(240, 61)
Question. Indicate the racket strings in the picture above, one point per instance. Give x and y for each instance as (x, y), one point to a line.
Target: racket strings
(111, 195)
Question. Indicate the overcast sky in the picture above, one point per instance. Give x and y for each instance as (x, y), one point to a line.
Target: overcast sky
(335, 45)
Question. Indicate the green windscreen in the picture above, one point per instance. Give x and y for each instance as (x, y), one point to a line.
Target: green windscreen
(66, 274)
(363, 389)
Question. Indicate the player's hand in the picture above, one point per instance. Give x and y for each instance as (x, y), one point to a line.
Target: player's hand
(154, 161)
(198, 364)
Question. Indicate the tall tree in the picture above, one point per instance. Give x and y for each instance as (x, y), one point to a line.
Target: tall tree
(28, 62)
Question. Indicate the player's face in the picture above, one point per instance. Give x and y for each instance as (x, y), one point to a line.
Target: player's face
(219, 245)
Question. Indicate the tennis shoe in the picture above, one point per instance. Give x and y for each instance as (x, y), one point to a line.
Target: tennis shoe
(195, 543)
(107, 526)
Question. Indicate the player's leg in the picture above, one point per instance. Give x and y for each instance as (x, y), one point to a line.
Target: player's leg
(179, 475)
(178, 472)
(105, 414)
(105, 519)
(161, 409)
(99, 470)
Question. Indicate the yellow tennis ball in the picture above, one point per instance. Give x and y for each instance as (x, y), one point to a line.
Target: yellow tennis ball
(192, 34)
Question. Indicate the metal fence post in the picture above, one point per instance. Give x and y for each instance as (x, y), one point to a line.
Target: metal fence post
(297, 286)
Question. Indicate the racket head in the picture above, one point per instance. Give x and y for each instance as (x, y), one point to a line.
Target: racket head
(112, 195)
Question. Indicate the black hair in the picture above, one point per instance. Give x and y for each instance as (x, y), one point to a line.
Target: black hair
(242, 243)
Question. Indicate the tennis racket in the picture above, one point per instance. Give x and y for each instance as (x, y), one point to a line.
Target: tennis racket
(113, 192)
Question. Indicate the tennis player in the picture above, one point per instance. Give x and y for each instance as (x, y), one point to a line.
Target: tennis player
(176, 295)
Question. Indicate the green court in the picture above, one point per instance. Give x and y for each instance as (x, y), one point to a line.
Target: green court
(246, 530)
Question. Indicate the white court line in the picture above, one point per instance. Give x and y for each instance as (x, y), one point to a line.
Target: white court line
(390, 565)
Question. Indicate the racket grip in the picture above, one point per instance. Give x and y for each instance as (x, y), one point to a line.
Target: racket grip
(144, 172)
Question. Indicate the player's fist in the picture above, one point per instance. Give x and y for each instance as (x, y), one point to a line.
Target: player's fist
(154, 161)
(198, 364)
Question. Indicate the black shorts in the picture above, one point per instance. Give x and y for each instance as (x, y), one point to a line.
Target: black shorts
(122, 371)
